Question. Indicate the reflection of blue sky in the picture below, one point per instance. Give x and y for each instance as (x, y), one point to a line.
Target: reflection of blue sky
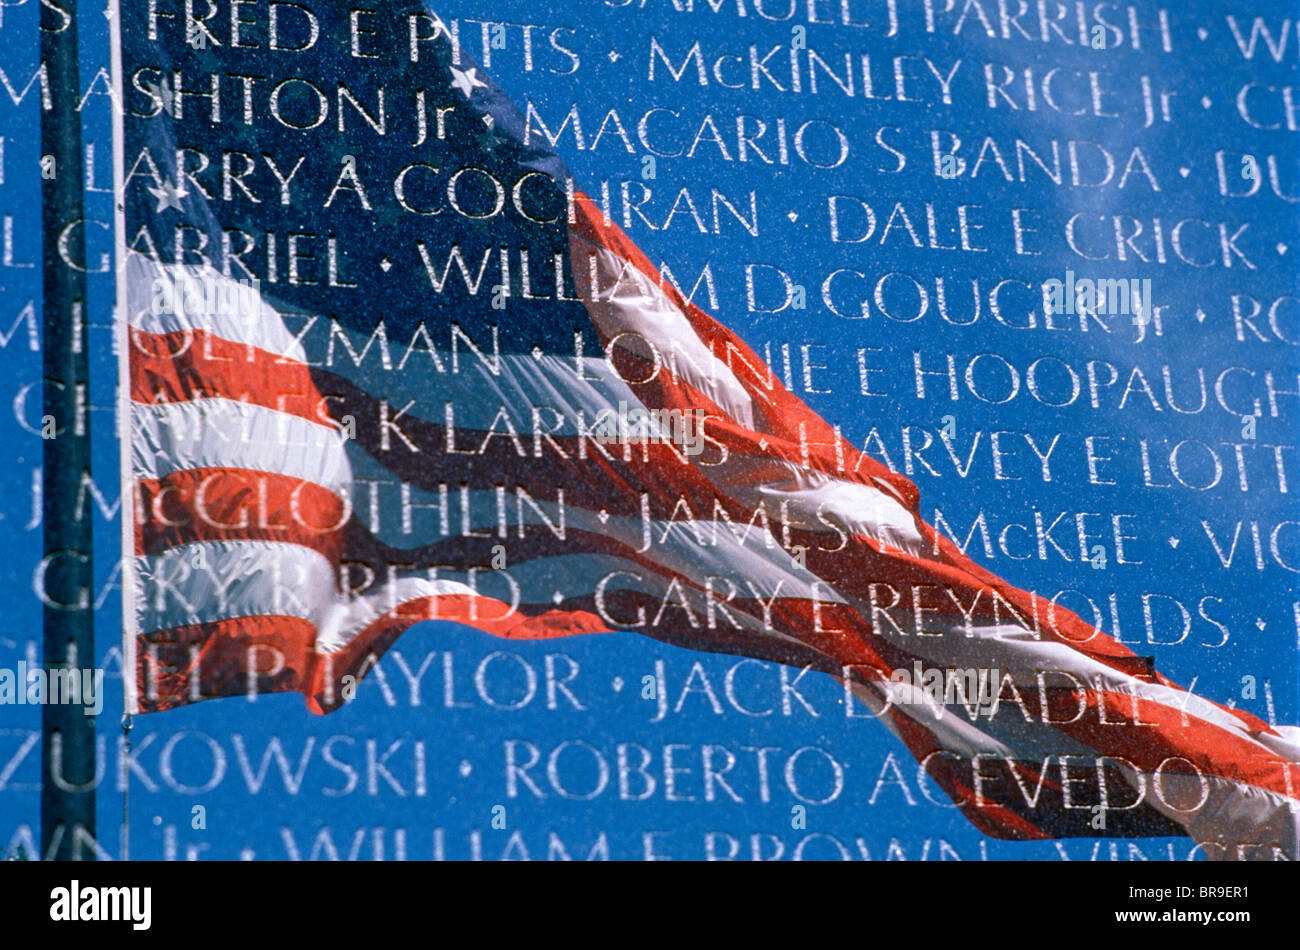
(882, 801)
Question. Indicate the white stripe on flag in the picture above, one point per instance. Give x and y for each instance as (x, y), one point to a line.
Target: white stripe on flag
(220, 433)
(260, 325)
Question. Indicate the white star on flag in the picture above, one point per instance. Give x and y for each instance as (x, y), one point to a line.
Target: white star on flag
(168, 195)
(163, 92)
(466, 80)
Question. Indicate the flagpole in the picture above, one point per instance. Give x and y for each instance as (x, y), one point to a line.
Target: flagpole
(122, 339)
(68, 733)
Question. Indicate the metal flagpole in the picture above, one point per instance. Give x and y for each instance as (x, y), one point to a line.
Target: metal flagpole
(68, 733)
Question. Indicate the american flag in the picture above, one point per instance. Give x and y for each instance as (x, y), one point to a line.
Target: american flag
(295, 511)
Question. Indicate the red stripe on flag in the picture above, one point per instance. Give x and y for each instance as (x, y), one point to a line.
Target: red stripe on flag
(364, 650)
(186, 365)
(236, 504)
(265, 654)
